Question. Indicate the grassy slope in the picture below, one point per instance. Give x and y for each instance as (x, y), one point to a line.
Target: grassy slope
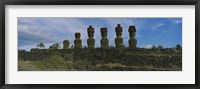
(57, 63)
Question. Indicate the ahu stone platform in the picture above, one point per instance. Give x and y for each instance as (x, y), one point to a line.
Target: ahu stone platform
(139, 56)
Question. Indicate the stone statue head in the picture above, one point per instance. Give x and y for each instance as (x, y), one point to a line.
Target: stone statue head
(90, 31)
(132, 29)
(118, 30)
(78, 35)
(65, 44)
(104, 32)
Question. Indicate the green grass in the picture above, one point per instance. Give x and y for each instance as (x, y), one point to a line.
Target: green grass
(58, 63)
(27, 66)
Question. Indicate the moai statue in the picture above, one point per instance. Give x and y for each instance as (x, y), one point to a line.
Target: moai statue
(104, 40)
(90, 41)
(132, 41)
(65, 44)
(119, 39)
(78, 41)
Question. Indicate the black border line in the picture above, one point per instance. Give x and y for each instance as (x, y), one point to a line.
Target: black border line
(197, 43)
(2, 43)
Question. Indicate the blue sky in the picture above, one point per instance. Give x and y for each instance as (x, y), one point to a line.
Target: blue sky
(149, 31)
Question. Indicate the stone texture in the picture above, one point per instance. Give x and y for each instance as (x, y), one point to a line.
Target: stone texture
(118, 39)
(66, 44)
(78, 41)
(91, 40)
(132, 41)
(104, 41)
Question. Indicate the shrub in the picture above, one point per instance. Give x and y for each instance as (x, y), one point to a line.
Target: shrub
(26, 66)
(55, 62)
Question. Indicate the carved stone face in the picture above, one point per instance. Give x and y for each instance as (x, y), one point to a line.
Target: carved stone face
(90, 31)
(132, 34)
(118, 28)
(78, 35)
(104, 33)
(90, 34)
(132, 29)
(65, 44)
(119, 34)
(118, 31)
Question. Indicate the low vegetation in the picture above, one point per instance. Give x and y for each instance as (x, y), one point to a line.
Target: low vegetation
(58, 63)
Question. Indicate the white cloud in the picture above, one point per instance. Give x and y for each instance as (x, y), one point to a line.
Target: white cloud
(148, 46)
(27, 47)
(177, 21)
(155, 27)
(54, 29)
(30, 46)
(51, 30)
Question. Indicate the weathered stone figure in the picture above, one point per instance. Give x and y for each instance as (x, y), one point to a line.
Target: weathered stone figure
(104, 40)
(119, 39)
(132, 41)
(90, 41)
(65, 44)
(78, 41)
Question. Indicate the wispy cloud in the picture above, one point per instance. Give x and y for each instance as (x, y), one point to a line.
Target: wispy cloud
(157, 26)
(176, 21)
(47, 30)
